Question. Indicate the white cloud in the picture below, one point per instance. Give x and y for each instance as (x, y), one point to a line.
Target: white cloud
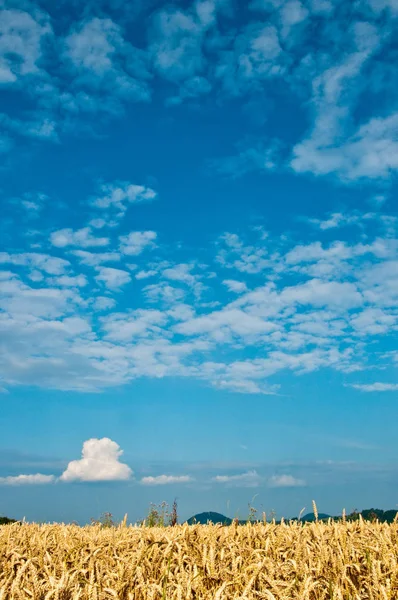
(146, 274)
(379, 5)
(120, 194)
(44, 262)
(338, 219)
(138, 323)
(36, 276)
(176, 43)
(292, 13)
(33, 202)
(136, 242)
(101, 60)
(248, 479)
(285, 481)
(376, 387)
(97, 223)
(93, 259)
(321, 7)
(180, 272)
(103, 303)
(112, 278)
(320, 293)
(163, 292)
(37, 479)
(256, 56)
(99, 462)
(235, 286)
(70, 281)
(21, 38)
(297, 320)
(232, 320)
(370, 153)
(338, 144)
(81, 237)
(166, 479)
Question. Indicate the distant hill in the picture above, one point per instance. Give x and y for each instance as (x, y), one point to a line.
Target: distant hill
(311, 517)
(367, 514)
(215, 517)
(205, 517)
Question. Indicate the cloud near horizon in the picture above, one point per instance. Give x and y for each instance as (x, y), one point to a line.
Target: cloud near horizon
(100, 463)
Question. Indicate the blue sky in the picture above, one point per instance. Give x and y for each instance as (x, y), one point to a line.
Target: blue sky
(199, 257)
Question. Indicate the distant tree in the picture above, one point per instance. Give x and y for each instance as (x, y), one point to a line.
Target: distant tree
(389, 515)
(6, 521)
(353, 516)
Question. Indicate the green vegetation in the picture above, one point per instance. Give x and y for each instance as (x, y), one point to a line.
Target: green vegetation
(6, 520)
(160, 517)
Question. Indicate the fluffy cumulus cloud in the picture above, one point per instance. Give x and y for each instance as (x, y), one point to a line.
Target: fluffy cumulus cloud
(99, 462)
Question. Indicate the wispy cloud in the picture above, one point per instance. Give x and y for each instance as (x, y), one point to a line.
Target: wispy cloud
(37, 479)
(376, 387)
(285, 481)
(81, 237)
(248, 479)
(166, 479)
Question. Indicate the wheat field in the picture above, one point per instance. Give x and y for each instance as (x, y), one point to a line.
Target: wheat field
(315, 561)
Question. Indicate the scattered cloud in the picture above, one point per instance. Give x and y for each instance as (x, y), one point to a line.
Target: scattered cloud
(235, 286)
(51, 265)
(94, 259)
(33, 202)
(301, 308)
(136, 242)
(113, 278)
(119, 195)
(21, 49)
(81, 237)
(100, 59)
